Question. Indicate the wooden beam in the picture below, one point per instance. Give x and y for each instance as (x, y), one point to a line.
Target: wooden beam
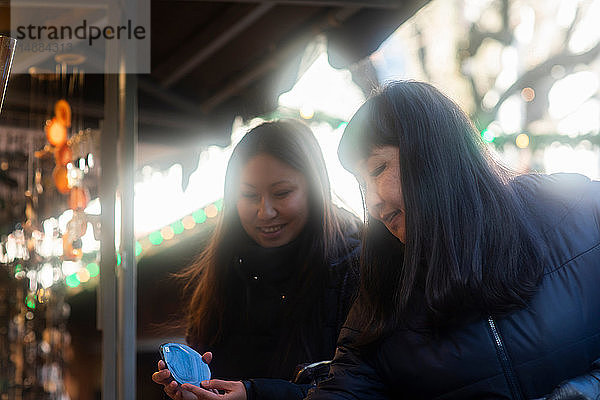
(278, 56)
(385, 4)
(218, 42)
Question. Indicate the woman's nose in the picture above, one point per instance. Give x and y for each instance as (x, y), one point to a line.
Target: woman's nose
(373, 201)
(266, 209)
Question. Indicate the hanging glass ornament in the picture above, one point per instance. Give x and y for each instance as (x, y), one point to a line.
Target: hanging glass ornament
(77, 226)
(63, 155)
(70, 253)
(61, 179)
(56, 133)
(78, 198)
(62, 111)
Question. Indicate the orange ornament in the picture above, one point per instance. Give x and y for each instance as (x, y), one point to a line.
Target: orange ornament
(63, 155)
(61, 180)
(78, 198)
(56, 133)
(62, 112)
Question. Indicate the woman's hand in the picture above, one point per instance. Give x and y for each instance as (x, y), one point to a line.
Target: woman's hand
(234, 390)
(172, 388)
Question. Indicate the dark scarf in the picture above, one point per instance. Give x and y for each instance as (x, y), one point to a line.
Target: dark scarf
(264, 278)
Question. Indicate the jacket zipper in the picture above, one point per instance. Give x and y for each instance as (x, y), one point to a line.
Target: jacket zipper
(505, 361)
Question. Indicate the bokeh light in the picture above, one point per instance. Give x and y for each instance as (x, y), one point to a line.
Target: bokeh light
(138, 249)
(177, 227)
(199, 216)
(167, 233)
(522, 141)
(307, 112)
(487, 135)
(83, 275)
(211, 211)
(93, 268)
(188, 222)
(72, 281)
(155, 238)
(528, 94)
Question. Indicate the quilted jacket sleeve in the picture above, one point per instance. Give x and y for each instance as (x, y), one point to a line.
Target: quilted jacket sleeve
(584, 387)
(350, 376)
(274, 389)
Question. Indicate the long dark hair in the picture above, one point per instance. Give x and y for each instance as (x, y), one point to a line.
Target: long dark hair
(469, 247)
(210, 312)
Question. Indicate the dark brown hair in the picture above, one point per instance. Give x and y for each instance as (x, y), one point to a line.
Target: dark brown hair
(469, 246)
(210, 313)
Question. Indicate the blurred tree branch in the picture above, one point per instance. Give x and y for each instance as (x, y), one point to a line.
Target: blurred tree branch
(529, 77)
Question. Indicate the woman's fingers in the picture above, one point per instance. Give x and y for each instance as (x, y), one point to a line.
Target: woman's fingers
(220, 385)
(172, 391)
(161, 365)
(201, 394)
(162, 377)
(234, 390)
(207, 357)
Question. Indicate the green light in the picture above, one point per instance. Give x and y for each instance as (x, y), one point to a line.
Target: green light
(219, 204)
(177, 227)
(30, 302)
(93, 269)
(487, 135)
(342, 125)
(138, 249)
(118, 259)
(199, 216)
(18, 268)
(155, 238)
(72, 280)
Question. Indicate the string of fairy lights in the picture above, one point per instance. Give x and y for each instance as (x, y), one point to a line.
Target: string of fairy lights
(154, 239)
(88, 268)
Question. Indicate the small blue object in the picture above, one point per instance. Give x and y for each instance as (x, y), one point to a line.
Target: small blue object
(184, 363)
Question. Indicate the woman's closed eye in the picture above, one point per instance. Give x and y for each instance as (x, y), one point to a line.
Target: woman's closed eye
(377, 171)
(249, 195)
(282, 193)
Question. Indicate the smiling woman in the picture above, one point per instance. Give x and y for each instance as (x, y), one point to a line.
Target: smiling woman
(275, 283)
(380, 174)
(469, 272)
(273, 201)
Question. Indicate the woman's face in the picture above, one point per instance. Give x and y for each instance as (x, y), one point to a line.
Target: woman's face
(272, 201)
(380, 176)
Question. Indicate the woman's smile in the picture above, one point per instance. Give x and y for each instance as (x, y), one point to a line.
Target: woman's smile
(271, 232)
(270, 193)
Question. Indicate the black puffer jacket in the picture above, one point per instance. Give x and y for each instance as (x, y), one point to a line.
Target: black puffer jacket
(260, 348)
(521, 356)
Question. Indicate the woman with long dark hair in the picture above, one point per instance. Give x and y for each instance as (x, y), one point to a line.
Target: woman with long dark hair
(475, 282)
(274, 285)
